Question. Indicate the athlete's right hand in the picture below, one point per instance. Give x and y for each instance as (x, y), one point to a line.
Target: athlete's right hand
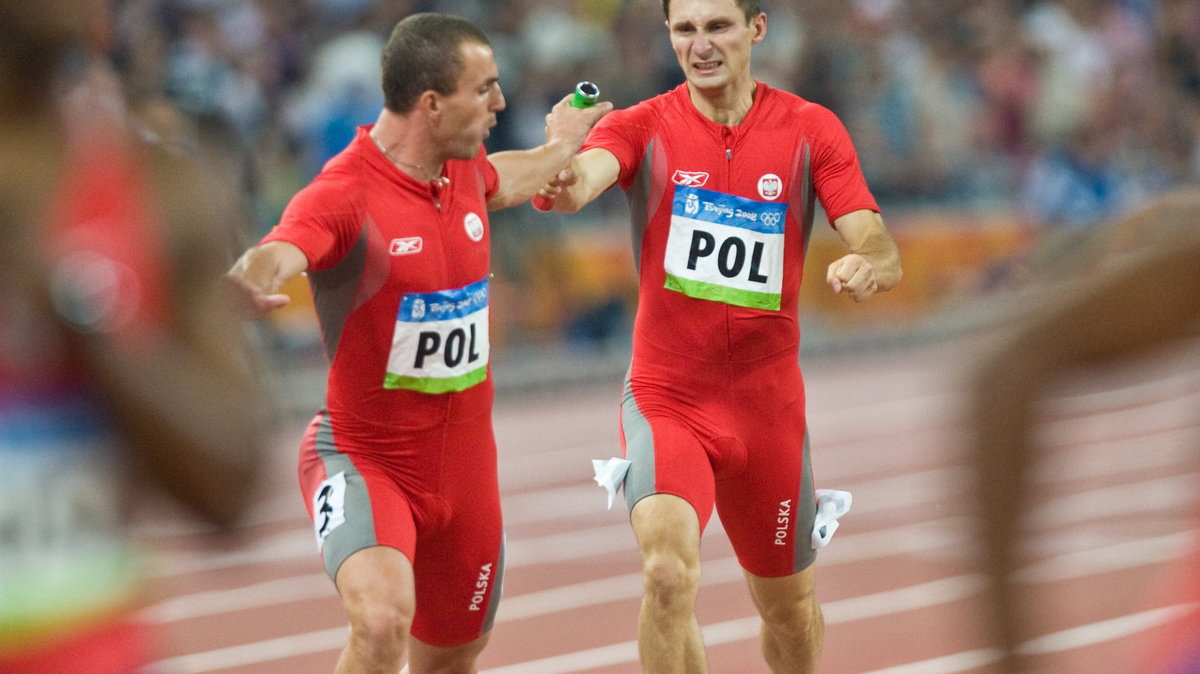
(569, 125)
(544, 199)
(249, 300)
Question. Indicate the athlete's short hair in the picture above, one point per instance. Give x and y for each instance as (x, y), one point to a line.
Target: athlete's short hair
(751, 8)
(423, 54)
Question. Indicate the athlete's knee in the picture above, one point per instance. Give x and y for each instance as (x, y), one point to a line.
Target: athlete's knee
(797, 614)
(669, 580)
(379, 624)
(426, 659)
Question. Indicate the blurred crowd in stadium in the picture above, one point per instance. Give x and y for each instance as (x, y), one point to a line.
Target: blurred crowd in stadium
(1060, 113)
(1070, 108)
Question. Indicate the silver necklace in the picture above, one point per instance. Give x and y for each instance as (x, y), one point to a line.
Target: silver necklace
(437, 181)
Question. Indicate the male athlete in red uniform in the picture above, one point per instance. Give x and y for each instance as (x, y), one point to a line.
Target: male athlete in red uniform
(399, 469)
(721, 174)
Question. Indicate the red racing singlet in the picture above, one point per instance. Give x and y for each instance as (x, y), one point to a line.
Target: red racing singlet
(399, 272)
(721, 215)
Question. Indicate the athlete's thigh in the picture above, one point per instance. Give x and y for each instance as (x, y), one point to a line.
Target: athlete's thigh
(768, 508)
(666, 455)
(354, 504)
(459, 566)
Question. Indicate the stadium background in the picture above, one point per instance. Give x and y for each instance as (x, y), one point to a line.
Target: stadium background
(994, 133)
(1003, 139)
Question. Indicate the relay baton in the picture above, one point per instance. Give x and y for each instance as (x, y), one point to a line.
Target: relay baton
(585, 96)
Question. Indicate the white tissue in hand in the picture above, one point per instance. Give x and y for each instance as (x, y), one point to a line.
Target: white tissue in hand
(609, 474)
(831, 504)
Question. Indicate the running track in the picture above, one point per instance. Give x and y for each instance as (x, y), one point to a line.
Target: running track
(898, 583)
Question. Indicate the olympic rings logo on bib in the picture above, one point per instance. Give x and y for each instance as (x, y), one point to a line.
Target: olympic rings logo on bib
(726, 248)
(440, 343)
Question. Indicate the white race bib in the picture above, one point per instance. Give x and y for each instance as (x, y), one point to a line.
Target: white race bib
(441, 340)
(726, 248)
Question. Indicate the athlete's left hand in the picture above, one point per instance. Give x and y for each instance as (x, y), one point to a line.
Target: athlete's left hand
(852, 275)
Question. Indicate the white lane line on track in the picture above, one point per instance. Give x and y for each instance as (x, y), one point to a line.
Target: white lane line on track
(1129, 554)
(254, 653)
(946, 664)
(1105, 458)
(1132, 554)
(1075, 637)
(1105, 630)
(1158, 495)
(215, 602)
(1158, 415)
(846, 610)
(949, 532)
(931, 487)
(890, 602)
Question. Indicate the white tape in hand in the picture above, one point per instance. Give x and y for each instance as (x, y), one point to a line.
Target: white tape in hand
(831, 504)
(610, 474)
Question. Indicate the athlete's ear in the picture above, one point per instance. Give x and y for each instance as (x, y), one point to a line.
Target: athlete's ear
(430, 101)
(759, 24)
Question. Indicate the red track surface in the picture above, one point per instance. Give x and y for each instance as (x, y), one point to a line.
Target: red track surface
(1114, 508)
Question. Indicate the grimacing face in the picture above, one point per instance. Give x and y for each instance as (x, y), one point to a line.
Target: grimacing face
(712, 41)
(470, 112)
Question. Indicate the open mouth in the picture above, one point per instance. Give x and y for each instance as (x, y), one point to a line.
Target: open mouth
(706, 67)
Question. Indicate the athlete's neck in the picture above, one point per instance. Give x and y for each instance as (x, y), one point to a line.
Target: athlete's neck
(405, 142)
(727, 105)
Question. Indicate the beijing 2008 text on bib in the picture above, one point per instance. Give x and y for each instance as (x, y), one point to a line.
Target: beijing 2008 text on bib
(726, 248)
(441, 340)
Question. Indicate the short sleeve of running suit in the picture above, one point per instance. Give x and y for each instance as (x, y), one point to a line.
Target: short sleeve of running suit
(713, 410)
(403, 454)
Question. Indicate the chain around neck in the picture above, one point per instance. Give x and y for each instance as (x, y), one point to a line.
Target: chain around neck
(434, 179)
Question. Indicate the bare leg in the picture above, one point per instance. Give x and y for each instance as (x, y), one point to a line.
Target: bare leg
(376, 585)
(793, 626)
(668, 534)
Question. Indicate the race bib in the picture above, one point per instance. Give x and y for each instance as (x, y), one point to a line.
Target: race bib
(441, 340)
(726, 248)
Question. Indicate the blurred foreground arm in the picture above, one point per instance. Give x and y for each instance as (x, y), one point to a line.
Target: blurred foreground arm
(1146, 299)
(189, 399)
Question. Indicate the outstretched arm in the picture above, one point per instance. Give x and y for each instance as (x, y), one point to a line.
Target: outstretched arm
(873, 264)
(523, 172)
(589, 174)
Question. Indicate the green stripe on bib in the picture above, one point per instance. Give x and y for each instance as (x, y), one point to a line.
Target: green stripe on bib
(428, 385)
(719, 293)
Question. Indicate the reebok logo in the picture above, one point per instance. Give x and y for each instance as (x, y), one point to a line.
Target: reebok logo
(406, 246)
(690, 178)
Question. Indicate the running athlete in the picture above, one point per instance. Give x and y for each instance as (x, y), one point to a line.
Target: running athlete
(399, 469)
(116, 352)
(721, 174)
